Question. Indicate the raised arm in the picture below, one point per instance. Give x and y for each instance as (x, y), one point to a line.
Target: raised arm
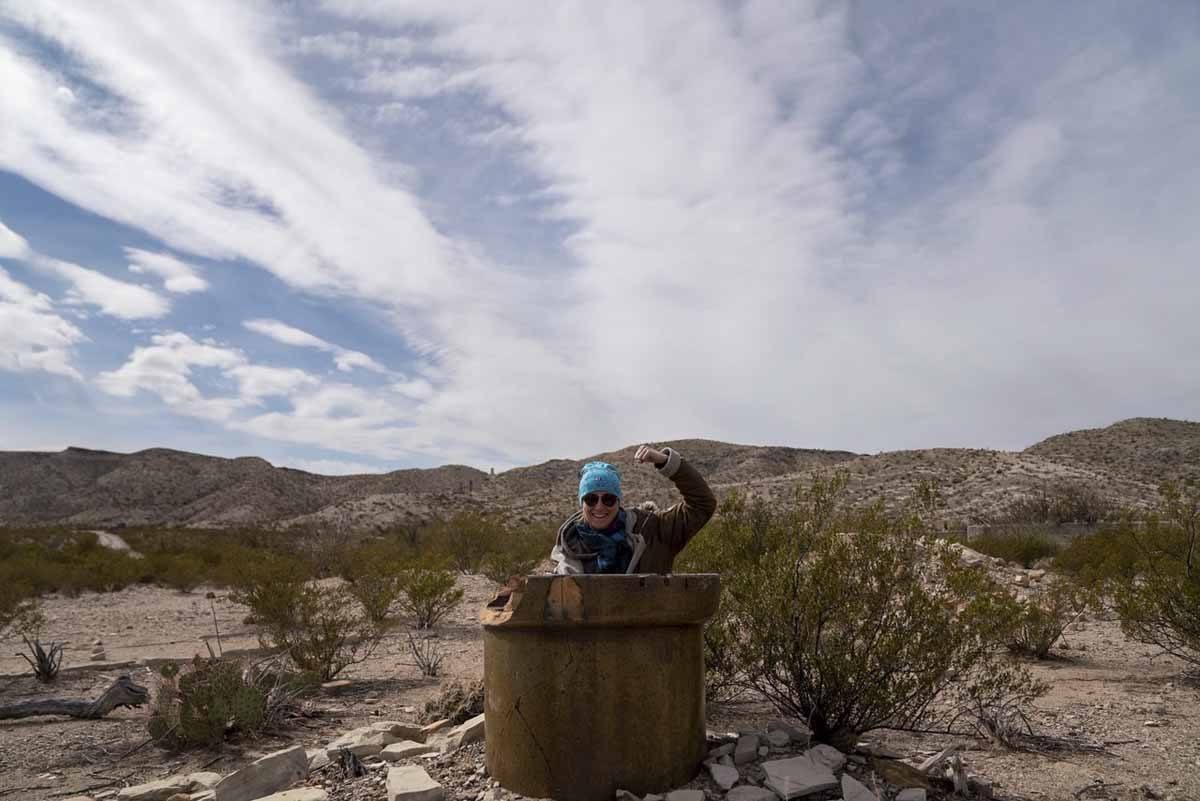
(678, 524)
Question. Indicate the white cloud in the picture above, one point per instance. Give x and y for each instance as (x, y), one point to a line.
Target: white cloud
(178, 276)
(115, 298)
(346, 360)
(32, 337)
(165, 367)
(258, 381)
(332, 467)
(12, 244)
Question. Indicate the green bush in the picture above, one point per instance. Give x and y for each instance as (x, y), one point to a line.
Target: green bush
(1060, 504)
(456, 701)
(1036, 624)
(516, 552)
(430, 592)
(1160, 603)
(464, 540)
(1023, 545)
(376, 578)
(853, 631)
(1093, 560)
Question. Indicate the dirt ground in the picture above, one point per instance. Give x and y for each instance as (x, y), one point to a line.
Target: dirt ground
(1141, 708)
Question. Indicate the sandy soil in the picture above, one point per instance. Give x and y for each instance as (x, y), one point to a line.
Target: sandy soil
(1142, 708)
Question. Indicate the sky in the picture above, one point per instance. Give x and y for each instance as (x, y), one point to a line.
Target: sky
(362, 235)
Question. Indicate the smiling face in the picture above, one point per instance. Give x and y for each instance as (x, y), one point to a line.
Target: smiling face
(599, 516)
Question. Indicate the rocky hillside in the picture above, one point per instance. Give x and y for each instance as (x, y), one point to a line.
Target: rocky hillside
(1126, 462)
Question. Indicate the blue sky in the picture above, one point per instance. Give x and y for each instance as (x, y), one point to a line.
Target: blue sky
(352, 235)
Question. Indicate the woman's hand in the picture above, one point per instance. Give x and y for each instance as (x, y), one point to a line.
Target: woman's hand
(647, 454)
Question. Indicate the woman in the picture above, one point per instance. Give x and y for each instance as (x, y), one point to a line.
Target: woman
(605, 536)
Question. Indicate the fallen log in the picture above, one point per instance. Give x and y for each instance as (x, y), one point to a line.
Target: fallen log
(123, 692)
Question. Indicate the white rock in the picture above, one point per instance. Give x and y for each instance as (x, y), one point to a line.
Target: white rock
(1020, 579)
(911, 794)
(854, 790)
(748, 792)
(265, 775)
(405, 731)
(469, 732)
(159, 790)
(746, 749)
(405, 749)
(779, 739)
(412, 783)
(203, 780)
(720, 751)
(361, 742)
(685, 795)
(317, 758)
(797, 731)
(797, 777)
(723, 775)
(826, 755)
(299, 794)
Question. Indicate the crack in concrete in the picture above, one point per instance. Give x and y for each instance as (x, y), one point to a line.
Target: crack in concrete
(533, 736)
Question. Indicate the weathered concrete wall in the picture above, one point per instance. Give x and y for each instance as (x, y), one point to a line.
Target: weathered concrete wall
(595, 683)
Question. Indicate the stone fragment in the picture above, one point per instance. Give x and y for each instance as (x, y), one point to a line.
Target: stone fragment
(298, 794)
(203, 780)
(764, 750)
(724, 775)
(1037, 575)
(746, 749)
(854, 790)
(726, 760)
(721, 750)
(685, 795)
(412, 783)
(625, 795)
(268, 774)
(335, 686)
(798, 776)
(799, 733)
(1020, 579)
(405, 749)
(748, 792)
(466, 733)
(827, 755)
(779, 739)
(181, 797)
(911, 794)
(80, 798)
(203, 795)
(159, 790)
(405, 731)
(362, 742)
(652, 797)
(317, 758)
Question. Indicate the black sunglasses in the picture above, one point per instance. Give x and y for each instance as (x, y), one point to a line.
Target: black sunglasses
(591, 499)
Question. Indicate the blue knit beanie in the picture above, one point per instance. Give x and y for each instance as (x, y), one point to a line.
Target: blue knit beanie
(599, 477)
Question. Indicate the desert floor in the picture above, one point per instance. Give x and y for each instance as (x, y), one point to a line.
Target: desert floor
(1142, 708)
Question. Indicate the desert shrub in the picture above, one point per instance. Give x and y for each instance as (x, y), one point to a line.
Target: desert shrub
(1036, 624)
(465, 540)
(1092, 560)
(19, 610)
(1160, 603)
(45, 663)
(853, 631)
(180, 571)
(458, 701)
(430, 592)
(427, 654)
(1021, 544)
(376, 577)
(270, 584)
(1060, 504)
(516, 551)
(217, 699)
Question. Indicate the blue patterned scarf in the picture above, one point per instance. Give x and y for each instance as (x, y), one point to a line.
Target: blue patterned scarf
(610, 547)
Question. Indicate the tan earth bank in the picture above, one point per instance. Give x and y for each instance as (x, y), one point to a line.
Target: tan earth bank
(1141, 709)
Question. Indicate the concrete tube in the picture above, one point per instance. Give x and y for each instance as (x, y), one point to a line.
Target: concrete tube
(596, 683)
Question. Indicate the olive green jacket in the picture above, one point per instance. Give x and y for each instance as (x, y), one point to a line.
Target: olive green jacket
(656, 536)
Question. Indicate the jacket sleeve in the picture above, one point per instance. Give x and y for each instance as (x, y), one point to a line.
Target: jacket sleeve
(678, 524)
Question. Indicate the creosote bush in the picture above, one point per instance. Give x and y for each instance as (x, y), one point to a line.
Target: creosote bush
(1036, 624)
(430, 592)
(851, 620)
(1159, 603)
(1021, 544)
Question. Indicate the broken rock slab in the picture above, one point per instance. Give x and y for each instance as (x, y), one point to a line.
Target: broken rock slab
(748, 792)
(471, 731)
(911, 794)
(264, 776)
(400, 729)
(317, 758)
(685, 795)
(362, 742)
(746, 749)
(798, 732)
(854, 790)
(412, 783)
(299, 794)
(724, 775)
(827, 755)
(798, 776)
(406, 749)
(163, 789)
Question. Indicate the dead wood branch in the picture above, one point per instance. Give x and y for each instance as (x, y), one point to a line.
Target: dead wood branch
(123, 692)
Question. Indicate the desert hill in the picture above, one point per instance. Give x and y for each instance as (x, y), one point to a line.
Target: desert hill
(1125, 462)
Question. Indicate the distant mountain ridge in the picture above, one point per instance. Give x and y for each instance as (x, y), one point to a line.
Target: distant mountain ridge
(81, 487)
